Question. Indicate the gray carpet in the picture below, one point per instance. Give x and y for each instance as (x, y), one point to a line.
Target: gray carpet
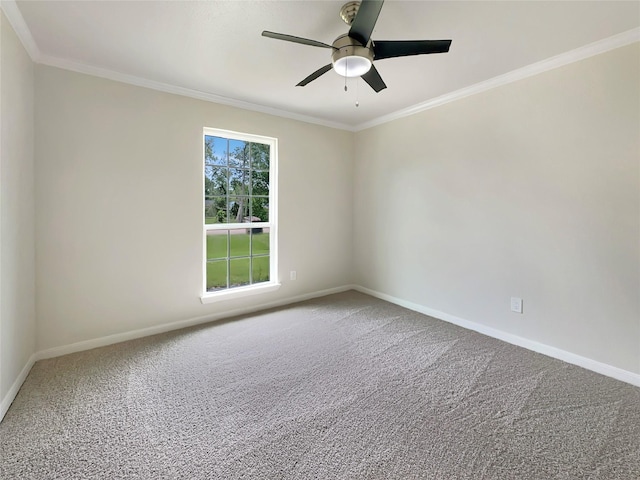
(342, 387)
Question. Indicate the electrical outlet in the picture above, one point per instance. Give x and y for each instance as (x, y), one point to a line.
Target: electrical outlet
(292, 275)
(516, 304)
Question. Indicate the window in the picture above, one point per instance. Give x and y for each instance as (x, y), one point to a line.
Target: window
(239, 214)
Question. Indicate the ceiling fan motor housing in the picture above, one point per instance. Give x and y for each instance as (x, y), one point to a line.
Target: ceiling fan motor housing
(350, 58)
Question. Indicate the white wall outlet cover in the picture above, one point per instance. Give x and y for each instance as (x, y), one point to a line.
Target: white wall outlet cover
(516, 304)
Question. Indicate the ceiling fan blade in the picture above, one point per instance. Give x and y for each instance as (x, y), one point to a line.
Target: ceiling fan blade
(291, 38)
(365, 20)
(373, 78)
(403, 48)
(314, 75)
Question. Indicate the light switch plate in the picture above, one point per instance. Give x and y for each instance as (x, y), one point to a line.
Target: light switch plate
(516, 304)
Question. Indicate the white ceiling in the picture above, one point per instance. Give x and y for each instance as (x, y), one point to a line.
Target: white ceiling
(216, 47)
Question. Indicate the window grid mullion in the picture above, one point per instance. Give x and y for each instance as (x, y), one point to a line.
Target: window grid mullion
(226, 200)
(250, 255)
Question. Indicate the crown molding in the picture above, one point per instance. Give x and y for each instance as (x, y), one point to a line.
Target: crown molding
(12, 12)
(16, 20)
(590, 50)
(186, 92)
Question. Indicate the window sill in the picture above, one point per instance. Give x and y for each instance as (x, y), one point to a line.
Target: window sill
(239, 292)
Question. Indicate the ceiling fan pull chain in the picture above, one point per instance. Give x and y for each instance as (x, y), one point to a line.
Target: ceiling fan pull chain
(357, 93)
(346, 67)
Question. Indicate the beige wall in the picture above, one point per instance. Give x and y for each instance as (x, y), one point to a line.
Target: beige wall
(119, 221)
(17, 276)
(529, 190)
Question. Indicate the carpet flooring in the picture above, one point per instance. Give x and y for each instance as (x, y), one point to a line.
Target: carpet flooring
(341, 387)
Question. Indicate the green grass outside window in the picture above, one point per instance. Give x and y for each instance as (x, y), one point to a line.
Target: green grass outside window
(241, 246)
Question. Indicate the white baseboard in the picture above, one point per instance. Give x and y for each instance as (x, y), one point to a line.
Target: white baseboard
(145, 332)
(167, 327)
(15, 388)
(588, 363)
(593, 365)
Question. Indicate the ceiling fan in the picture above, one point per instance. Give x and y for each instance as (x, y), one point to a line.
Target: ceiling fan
(354, 52)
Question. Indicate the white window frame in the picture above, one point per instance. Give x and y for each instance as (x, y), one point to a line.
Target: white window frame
(274, 281)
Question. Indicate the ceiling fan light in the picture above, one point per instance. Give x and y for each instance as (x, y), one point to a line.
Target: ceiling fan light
(352, 66)
(350, 58)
